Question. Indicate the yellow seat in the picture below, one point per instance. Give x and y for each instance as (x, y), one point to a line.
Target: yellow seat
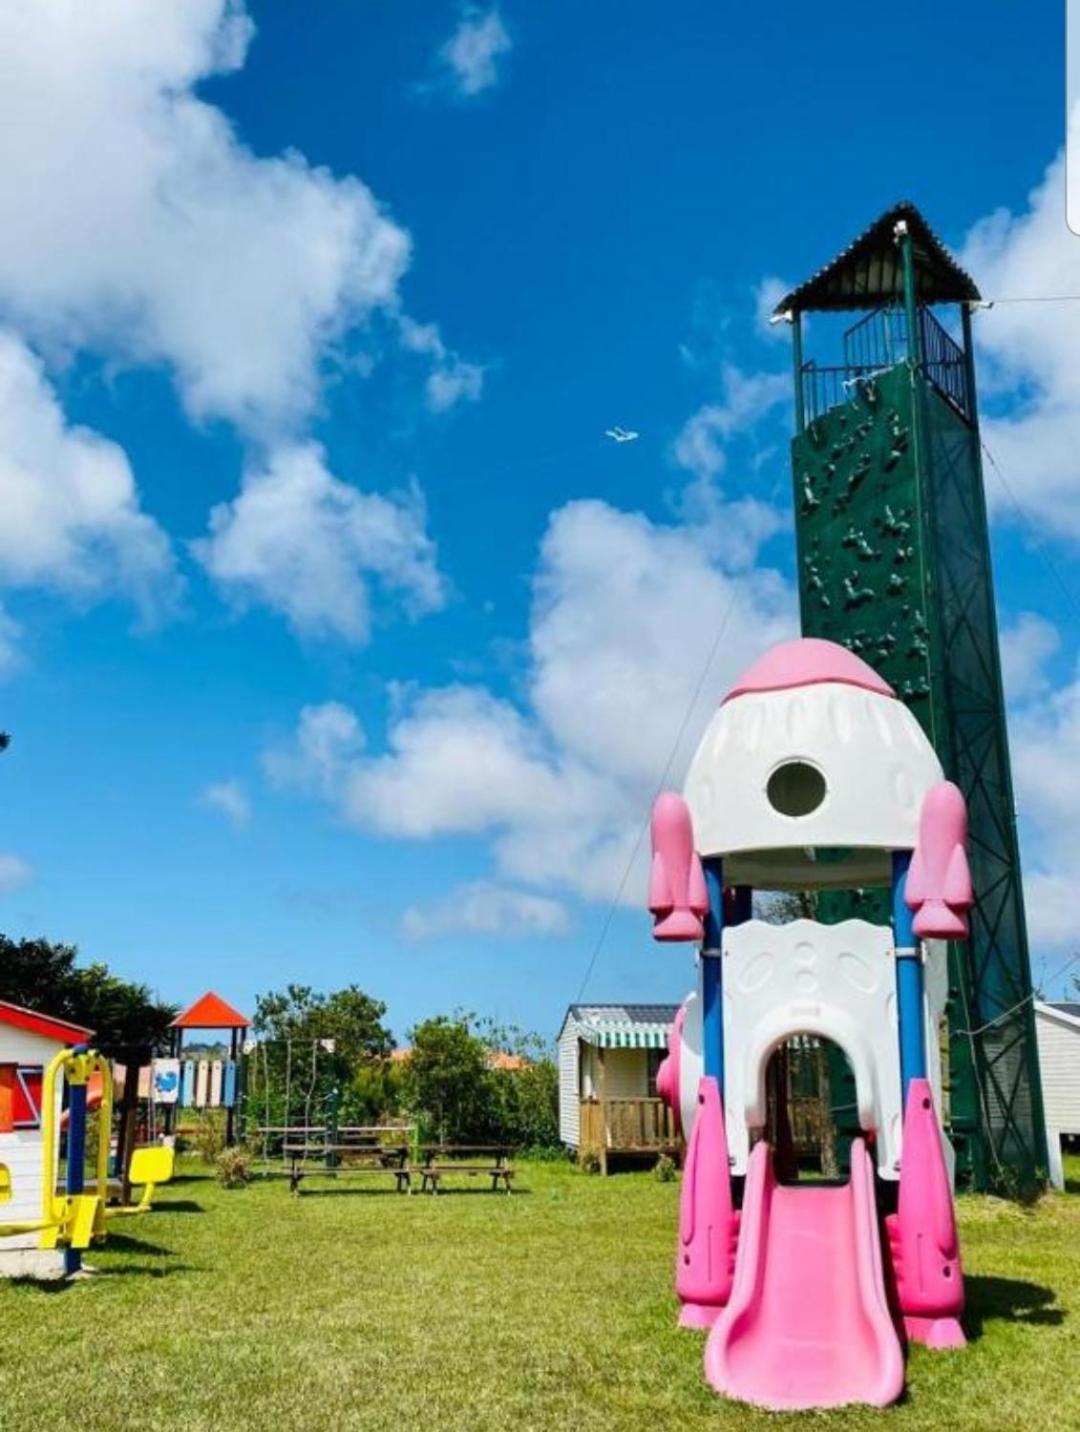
(5, 1184)
(149, 1166)
(154, 1164)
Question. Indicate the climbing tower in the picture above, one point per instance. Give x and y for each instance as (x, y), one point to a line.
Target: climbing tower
(894, 564)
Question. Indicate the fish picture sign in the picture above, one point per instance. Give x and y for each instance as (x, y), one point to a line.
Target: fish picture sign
(165, 1080)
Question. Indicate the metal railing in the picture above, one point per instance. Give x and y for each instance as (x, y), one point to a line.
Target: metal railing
(943, 362)
(627, 1125)
(877, 343)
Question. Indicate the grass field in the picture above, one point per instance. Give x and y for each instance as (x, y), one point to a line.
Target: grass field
(550, 1309)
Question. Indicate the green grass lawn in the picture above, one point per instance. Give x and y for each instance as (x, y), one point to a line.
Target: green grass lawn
(550, 1309)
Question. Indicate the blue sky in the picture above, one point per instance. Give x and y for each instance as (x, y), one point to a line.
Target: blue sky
(340, 643)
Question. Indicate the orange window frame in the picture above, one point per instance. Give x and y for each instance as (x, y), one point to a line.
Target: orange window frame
(7, 1098)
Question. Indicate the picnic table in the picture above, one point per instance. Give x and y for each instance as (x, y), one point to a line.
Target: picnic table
(489, 1160)
(351, 1159)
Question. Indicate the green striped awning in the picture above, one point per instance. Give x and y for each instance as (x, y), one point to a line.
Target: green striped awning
(624, 1034)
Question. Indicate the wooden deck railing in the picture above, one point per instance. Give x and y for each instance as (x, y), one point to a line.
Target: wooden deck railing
(627, 1125)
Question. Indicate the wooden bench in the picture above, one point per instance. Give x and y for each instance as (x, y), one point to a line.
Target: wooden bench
(486, 1160)
(362, 1160)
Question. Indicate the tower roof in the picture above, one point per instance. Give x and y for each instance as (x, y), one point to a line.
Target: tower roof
(868, 272)
(210, 1012)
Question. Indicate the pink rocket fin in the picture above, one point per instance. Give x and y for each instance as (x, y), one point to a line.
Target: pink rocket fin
(922, 1232)
(938, 885)
(677, 895)
(661, 900)
(708, 1221)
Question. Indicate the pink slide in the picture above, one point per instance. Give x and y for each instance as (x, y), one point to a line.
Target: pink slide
(807, 1324)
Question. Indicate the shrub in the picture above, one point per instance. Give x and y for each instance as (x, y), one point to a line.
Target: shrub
(209, 1138)
(666, 1169)
(233, 1167)
(545, 1153)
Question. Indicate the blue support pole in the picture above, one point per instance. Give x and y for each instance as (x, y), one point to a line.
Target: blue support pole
(76, 1155)
(712, 979)
(910, 1009)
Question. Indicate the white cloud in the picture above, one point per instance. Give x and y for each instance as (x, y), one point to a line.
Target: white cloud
(136, 225)
(625, 613)
(230, 798)
(135, 222)
(451, 379)
(733, 531)
(1026, 646)
(14, 873)
(310, 546)
(701, 445)
(71, 515)
(9, 643)
(1044, 736)
(473, 49)
(483, 908)
(767, 295)
(328, 739)
(1031, 353)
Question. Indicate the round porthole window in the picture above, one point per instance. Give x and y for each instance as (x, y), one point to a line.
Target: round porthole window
(796, 788)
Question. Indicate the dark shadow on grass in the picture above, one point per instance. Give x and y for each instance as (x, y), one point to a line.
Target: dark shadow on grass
(456, 1190)
(1009, 1300)
(53, 1287)
(177, 1205)
(1072, 1185)
(385, 1193)
(125, 1243)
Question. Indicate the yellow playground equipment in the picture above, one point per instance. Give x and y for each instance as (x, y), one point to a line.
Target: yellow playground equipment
(149, 1167)
(74, 1215)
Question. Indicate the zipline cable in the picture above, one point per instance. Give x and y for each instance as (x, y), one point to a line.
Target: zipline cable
(694, 698)
(1029, 522)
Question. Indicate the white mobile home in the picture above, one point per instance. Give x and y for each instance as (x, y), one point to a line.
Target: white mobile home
(1057, 1028)
(608, 1058)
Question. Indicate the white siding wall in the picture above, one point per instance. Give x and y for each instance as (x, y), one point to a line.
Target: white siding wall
(569, 1114)
(21, 1150)
(1059, 1058)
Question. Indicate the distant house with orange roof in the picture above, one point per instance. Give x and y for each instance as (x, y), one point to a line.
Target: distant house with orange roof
(496, 1059)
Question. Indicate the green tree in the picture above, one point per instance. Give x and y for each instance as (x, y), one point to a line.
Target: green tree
(527, 1104)
(45, 977)
(304, 1071)
(450, 1084)
(464, 1094)
(376, 1092)
(525, 1099)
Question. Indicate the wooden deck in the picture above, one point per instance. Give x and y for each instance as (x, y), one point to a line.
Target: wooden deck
(637, 1127)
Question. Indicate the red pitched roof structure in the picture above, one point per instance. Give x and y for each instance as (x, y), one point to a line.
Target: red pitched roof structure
(62, 1030)
(210, 1012)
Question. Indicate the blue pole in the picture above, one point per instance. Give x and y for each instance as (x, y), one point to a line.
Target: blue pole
(909, 980)
(712, 979)
(76, 1155)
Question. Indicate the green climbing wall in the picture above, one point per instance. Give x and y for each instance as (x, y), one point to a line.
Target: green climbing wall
(894, 563)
